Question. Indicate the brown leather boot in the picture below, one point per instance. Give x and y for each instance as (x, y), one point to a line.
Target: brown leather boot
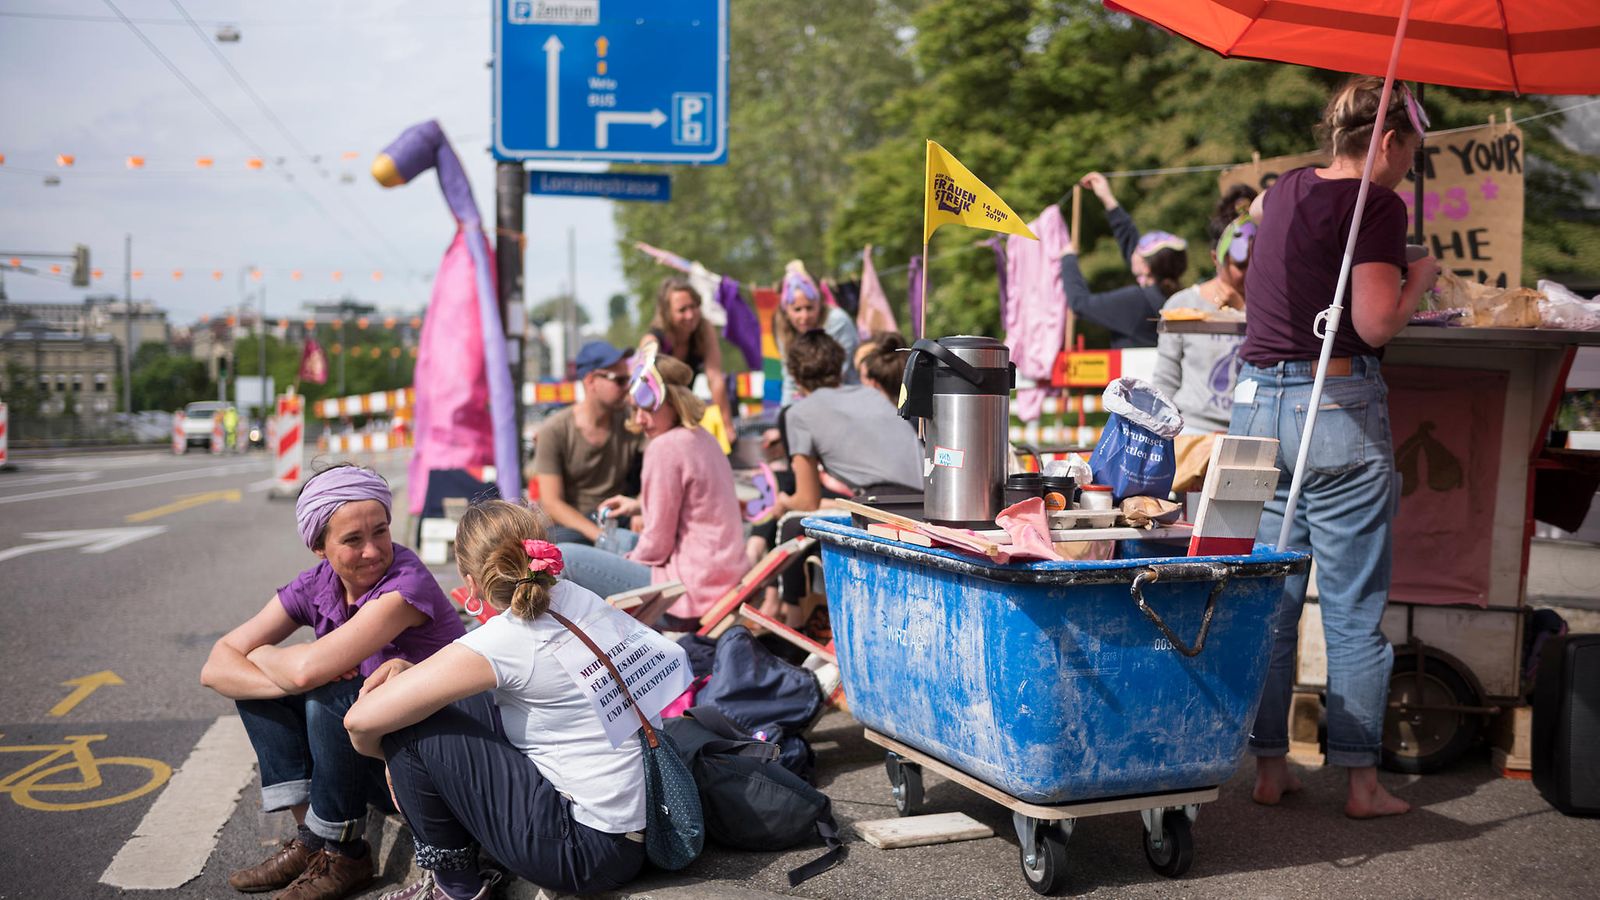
(331, 876)
(275, 871)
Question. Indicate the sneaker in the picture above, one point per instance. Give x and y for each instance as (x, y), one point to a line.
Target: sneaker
(425, 888)
(274, 872)
(331, 876)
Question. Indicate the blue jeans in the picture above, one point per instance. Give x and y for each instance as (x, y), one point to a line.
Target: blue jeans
(602, 571)
(305, 756)
(1346, 509)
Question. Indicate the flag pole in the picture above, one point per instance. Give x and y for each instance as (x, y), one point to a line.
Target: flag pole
(922, 305)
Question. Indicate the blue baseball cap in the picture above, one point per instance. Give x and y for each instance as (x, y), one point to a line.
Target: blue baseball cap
(597, 355)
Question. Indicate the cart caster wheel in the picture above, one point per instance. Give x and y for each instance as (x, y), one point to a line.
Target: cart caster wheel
(1176, 853)
(1420, 741)
(905, 783)
(1045, 864)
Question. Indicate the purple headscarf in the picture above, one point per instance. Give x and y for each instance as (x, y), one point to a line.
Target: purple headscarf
(796, 278)
(332, 488)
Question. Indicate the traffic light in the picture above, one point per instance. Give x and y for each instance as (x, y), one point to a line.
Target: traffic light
(80, 266)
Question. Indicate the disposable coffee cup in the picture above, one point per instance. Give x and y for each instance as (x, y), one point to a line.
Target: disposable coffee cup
(1095, 497)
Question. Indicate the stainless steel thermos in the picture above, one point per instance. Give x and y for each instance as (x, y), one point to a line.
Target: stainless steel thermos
(960, 387)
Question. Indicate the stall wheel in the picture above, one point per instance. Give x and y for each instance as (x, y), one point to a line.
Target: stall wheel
(1422, 733)
(905, 784)
(1043, 851)
(1173, 852)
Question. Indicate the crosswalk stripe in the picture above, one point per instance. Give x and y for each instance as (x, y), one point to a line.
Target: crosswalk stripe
(176, 837)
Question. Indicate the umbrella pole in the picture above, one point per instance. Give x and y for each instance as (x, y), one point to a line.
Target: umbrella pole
(1419, 176)
(1330, 317)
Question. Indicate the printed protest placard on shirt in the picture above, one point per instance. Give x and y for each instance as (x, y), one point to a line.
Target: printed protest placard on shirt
(1472, 200)
(656, 671)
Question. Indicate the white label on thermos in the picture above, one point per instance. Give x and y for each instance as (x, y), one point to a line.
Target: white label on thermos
(944, 456)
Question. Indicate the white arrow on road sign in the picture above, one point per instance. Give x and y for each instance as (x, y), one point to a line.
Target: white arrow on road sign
(552, 91)
(93, 540)
(604, 120)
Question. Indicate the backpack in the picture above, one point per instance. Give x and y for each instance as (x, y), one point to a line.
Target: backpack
(763, 697)
(749, 800)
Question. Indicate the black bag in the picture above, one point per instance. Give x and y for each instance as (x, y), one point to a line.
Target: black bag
(763, 697)
(750, 801)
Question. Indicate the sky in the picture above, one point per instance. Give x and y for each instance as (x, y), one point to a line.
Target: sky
(341, 78)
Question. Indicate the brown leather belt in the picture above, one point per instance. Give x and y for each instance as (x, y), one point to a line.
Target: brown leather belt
(1339, 367)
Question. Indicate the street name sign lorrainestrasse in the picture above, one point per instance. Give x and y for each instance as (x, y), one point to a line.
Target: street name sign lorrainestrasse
(610, 185)
(611, 80)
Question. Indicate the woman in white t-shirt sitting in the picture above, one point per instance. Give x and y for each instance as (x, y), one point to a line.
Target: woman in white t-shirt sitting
(526, 771)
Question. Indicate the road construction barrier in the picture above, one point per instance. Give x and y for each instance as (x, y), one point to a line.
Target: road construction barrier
(366, 404)
(375, 442)
(286, 437)
(219, 435)
(180, 441)
(1037, 435)
(5, 433)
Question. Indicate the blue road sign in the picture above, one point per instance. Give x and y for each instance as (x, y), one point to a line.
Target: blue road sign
(616, 80)
(611, 185)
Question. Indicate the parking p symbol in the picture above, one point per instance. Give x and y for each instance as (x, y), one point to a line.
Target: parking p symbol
(691, 114)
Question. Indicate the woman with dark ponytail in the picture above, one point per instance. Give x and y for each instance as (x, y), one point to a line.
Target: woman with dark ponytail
(492, 742)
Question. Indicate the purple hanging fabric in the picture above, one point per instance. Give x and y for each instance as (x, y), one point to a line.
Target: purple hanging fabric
(743, 329)
(998, 245)
(914, 278)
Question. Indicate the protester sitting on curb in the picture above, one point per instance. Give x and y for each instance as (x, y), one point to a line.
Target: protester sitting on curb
(585, 453)
(527, 772)
(1157, 260)
(368, 601)
(679, 329)
(692, 528)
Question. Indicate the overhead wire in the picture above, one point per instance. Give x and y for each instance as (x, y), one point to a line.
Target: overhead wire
(233, 126)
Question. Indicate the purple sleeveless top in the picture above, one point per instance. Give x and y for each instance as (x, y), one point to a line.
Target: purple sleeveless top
(316, 599)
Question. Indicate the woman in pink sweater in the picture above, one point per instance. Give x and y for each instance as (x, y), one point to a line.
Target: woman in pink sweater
(692, 532)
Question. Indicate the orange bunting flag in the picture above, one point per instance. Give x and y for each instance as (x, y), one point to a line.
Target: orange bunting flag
(98, 274)
(361, 323)
(350, 154)
(55, 269)
(338, 276)
(283, 324)
(296, 275)
(377, 276)
(137, 274)
(65, 160)
(416, 321)
(216, 274)
(377, 352)
(15, 263)
(204, 162)
(311, 324)
(413, 352)
(394, 352)
(388, 322)
(2, 159)
(254, 162)
(135, 162)
(255, 274)
(177, 274)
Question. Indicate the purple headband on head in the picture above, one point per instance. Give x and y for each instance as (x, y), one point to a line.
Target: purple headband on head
(1160, 240)
(332, 488)
(796, 278)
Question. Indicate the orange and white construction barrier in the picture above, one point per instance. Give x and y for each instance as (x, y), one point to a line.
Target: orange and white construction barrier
(5, 434)
(375, 442)
(286, 437)
(219, 435)
(180, 441)
(366, 404)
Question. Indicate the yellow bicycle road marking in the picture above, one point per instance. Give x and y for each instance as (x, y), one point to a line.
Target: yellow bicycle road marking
(35, 777)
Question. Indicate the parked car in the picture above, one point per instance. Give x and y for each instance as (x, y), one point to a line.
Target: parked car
(197, 421)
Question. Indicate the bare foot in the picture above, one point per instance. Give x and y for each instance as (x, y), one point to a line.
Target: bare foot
(1273, 780)
(1368, 799)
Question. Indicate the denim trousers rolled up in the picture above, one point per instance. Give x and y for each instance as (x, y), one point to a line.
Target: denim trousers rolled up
(305, 756)
(602, 571)
(1344, 519)
(462, 785)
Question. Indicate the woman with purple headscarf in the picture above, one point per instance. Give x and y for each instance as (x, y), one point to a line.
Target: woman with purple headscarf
(368, 601)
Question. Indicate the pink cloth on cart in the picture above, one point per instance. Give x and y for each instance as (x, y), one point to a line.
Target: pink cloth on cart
(1036, 312)
(1029, 527)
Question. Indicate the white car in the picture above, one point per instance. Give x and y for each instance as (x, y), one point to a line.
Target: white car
(197, 421)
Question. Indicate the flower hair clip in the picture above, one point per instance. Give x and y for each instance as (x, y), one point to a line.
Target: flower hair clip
(544, 558)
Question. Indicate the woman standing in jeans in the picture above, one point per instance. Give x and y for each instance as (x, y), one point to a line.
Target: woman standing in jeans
(1348, 494)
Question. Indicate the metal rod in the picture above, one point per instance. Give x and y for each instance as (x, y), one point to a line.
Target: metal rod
(127, 322)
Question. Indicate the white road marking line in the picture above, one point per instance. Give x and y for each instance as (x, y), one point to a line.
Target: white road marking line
(185, 475)
(264, 484)
(9, 481)
(178, 834)
(101, 462)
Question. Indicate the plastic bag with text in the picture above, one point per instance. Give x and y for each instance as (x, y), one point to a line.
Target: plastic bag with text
(1134, 456)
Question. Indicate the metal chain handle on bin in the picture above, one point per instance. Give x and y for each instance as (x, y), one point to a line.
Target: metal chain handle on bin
(1213, 572)
(909, 396)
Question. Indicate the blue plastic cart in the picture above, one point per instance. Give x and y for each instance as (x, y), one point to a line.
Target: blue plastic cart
(1058, 689)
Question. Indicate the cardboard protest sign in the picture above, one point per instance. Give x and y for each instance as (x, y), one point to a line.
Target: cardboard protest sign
(655, 670)
(1472, 199)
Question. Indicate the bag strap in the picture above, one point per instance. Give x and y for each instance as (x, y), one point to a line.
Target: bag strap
(649, 732)
(828, 830)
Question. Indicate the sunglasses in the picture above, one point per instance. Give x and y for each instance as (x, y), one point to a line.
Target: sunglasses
(616, 378)
(646, 388)
(1236, 241)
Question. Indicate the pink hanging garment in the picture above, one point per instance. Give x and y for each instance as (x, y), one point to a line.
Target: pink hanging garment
(873, 316)
(1036, 310)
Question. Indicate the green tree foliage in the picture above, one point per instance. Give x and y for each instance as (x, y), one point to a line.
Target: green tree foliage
(165, 380)
(621, 331)
(807, 78)
(552, 309)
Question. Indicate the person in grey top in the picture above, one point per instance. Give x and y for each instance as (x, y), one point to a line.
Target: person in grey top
(1197, 371)
(851, 430)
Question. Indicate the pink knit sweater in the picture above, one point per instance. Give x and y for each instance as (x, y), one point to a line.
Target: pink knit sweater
(693, 532)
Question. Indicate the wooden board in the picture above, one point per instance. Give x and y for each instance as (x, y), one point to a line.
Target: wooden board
(1119, 533)
(1512, 738)
(920, 831)
(1052, 812)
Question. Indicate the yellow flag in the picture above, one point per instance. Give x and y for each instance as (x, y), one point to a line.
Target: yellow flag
(954, 194)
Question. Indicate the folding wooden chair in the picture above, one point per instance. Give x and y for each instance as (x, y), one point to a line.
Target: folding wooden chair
(645, 604)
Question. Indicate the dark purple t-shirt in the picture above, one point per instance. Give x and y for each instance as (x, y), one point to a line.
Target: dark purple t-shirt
(1294, 265)
(316, 599)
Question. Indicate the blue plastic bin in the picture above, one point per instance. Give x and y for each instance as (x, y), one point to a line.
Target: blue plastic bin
(1047, 680)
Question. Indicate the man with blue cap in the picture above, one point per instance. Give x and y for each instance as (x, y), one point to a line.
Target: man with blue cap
(584, 454)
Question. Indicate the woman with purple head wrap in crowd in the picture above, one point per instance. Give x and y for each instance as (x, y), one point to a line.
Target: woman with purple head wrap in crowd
(368, 601)
(801, 308)
(1157, 260)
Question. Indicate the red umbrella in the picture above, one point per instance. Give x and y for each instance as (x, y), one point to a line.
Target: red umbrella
(1532, 46)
